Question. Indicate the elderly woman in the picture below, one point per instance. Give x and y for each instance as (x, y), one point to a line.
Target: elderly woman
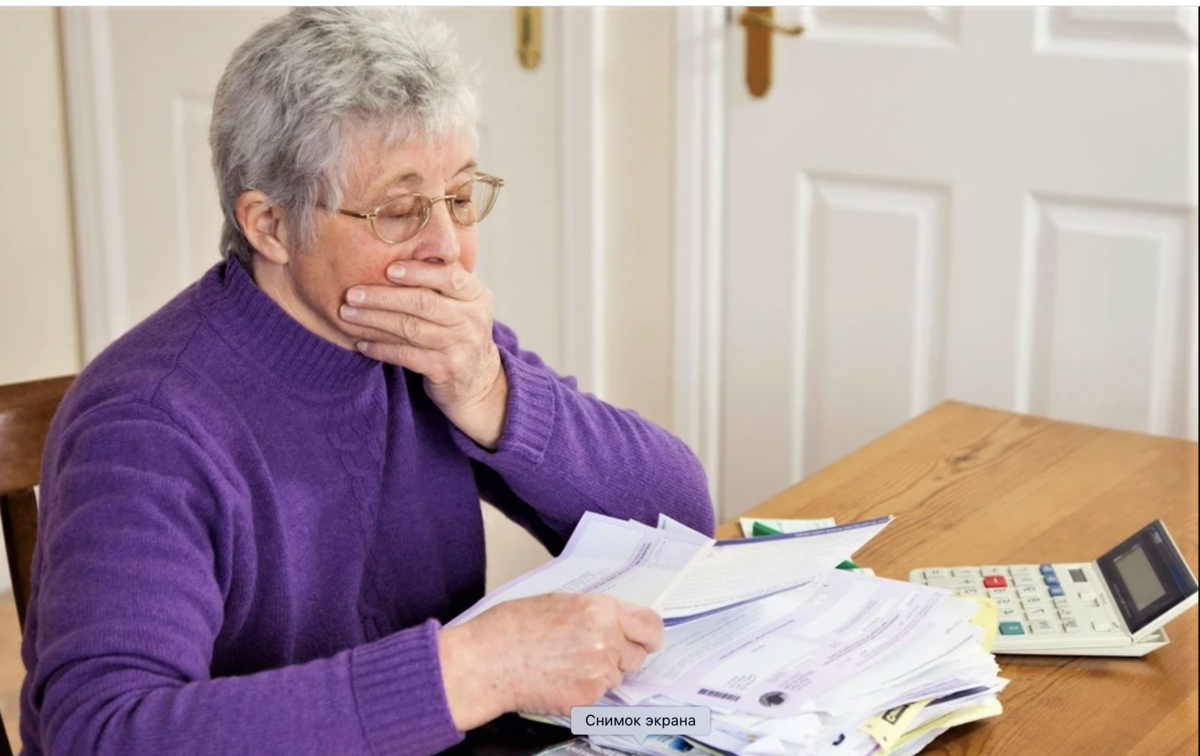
(261, 504)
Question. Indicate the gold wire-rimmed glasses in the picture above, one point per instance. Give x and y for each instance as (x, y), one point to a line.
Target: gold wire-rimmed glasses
(402, 218)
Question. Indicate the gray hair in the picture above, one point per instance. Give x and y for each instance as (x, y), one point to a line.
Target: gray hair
(290, 96)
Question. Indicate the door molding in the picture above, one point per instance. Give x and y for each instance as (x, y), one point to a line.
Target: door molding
(584, 285)
(95, 177)
(95, 186)
(699, 213)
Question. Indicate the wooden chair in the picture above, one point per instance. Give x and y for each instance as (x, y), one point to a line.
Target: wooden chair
(25, 413)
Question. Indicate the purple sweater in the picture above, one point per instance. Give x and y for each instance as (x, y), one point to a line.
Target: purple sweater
(249, 536)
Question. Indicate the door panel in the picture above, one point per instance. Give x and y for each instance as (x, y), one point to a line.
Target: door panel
(990, 205)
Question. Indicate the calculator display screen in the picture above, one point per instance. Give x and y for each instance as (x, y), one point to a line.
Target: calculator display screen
(1144, 586)
(1147, 576)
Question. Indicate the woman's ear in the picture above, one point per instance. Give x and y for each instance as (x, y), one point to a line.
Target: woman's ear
(262, 223)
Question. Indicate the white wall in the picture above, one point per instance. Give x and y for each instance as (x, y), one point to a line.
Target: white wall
(638, 147)
(39, 333)
(38, 320)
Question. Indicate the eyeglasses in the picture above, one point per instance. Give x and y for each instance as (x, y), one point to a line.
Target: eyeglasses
(403, 217)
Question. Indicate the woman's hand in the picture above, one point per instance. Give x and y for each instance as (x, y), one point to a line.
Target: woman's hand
(543, 655)
(437, 321)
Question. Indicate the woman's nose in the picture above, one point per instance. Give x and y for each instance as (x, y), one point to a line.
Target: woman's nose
(439, 240)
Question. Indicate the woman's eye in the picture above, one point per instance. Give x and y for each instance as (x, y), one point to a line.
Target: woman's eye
(405, 207)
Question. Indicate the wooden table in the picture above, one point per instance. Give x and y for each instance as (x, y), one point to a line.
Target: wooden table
(976, 486)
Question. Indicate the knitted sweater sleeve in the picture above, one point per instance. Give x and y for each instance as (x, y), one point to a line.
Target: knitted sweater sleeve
(130, 592)
(564, 452)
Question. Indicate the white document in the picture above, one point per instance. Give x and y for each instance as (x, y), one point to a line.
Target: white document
(678, 572)
(739, 571)
(604, 555)
(773, 656)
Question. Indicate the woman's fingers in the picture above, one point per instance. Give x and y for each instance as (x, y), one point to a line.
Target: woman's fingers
(426, 304)
(406, 327)
(642, 626)
(454, 281)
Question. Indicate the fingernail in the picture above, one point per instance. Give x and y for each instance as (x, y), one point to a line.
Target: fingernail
(356, 296)
(396, 271)
(362, 346)
(348, 311)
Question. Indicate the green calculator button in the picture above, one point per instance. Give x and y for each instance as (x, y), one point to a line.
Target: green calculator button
(1011, 628)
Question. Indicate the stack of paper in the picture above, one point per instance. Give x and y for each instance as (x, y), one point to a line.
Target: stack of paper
(793, 657)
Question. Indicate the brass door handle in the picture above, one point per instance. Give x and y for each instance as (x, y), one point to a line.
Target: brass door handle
(765, 17)
(760, 26)
(529, 37)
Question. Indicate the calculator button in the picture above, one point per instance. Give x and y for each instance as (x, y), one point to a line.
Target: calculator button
(1071, 626)
(1000, 592)
(1065, 613)
(1051, 579)
(955, 584)
(1102, 626)
(1056, 591)
(1088, 598)
(969, 592)
(993, 569)
(1026, 580)
(1047, 569)
(1006, 614)
(1028, 601)
(965, 572)
(1038, 612)
(1043, 626)
(1012, 628)
(1062, 602)
(995, 581)
(1007, 601)
(937, 573)
(1029, 590)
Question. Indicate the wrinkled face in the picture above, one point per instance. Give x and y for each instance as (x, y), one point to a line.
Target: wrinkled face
(345, 251)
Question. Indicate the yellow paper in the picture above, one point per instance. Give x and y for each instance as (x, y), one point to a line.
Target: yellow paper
(888, 728)
(989, 707)
(988, 617)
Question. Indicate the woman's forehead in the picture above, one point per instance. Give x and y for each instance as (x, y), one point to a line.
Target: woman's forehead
(413, 163)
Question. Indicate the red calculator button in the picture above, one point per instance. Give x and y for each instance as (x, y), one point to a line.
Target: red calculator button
(995, 581)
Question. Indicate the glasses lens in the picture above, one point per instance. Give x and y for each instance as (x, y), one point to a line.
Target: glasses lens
(475, 200)
(400, 219)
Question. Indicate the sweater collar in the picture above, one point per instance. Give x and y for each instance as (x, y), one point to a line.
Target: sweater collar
(266, 335)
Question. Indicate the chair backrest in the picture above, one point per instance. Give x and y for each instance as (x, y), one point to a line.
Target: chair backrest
(25, 413)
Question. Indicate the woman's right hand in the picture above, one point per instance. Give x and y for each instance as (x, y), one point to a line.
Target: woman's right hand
(543, 655)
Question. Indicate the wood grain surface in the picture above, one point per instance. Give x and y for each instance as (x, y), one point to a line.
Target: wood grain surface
(971, 486)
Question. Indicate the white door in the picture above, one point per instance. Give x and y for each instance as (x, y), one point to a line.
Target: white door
(140, 84)
(990, 205)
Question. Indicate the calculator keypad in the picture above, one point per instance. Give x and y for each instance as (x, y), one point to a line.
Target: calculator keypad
(1031, 599)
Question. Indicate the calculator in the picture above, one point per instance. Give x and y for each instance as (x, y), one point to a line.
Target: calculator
(1117, 605)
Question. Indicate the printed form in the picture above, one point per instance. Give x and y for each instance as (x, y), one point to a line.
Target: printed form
(682, 574)
(773, 656)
